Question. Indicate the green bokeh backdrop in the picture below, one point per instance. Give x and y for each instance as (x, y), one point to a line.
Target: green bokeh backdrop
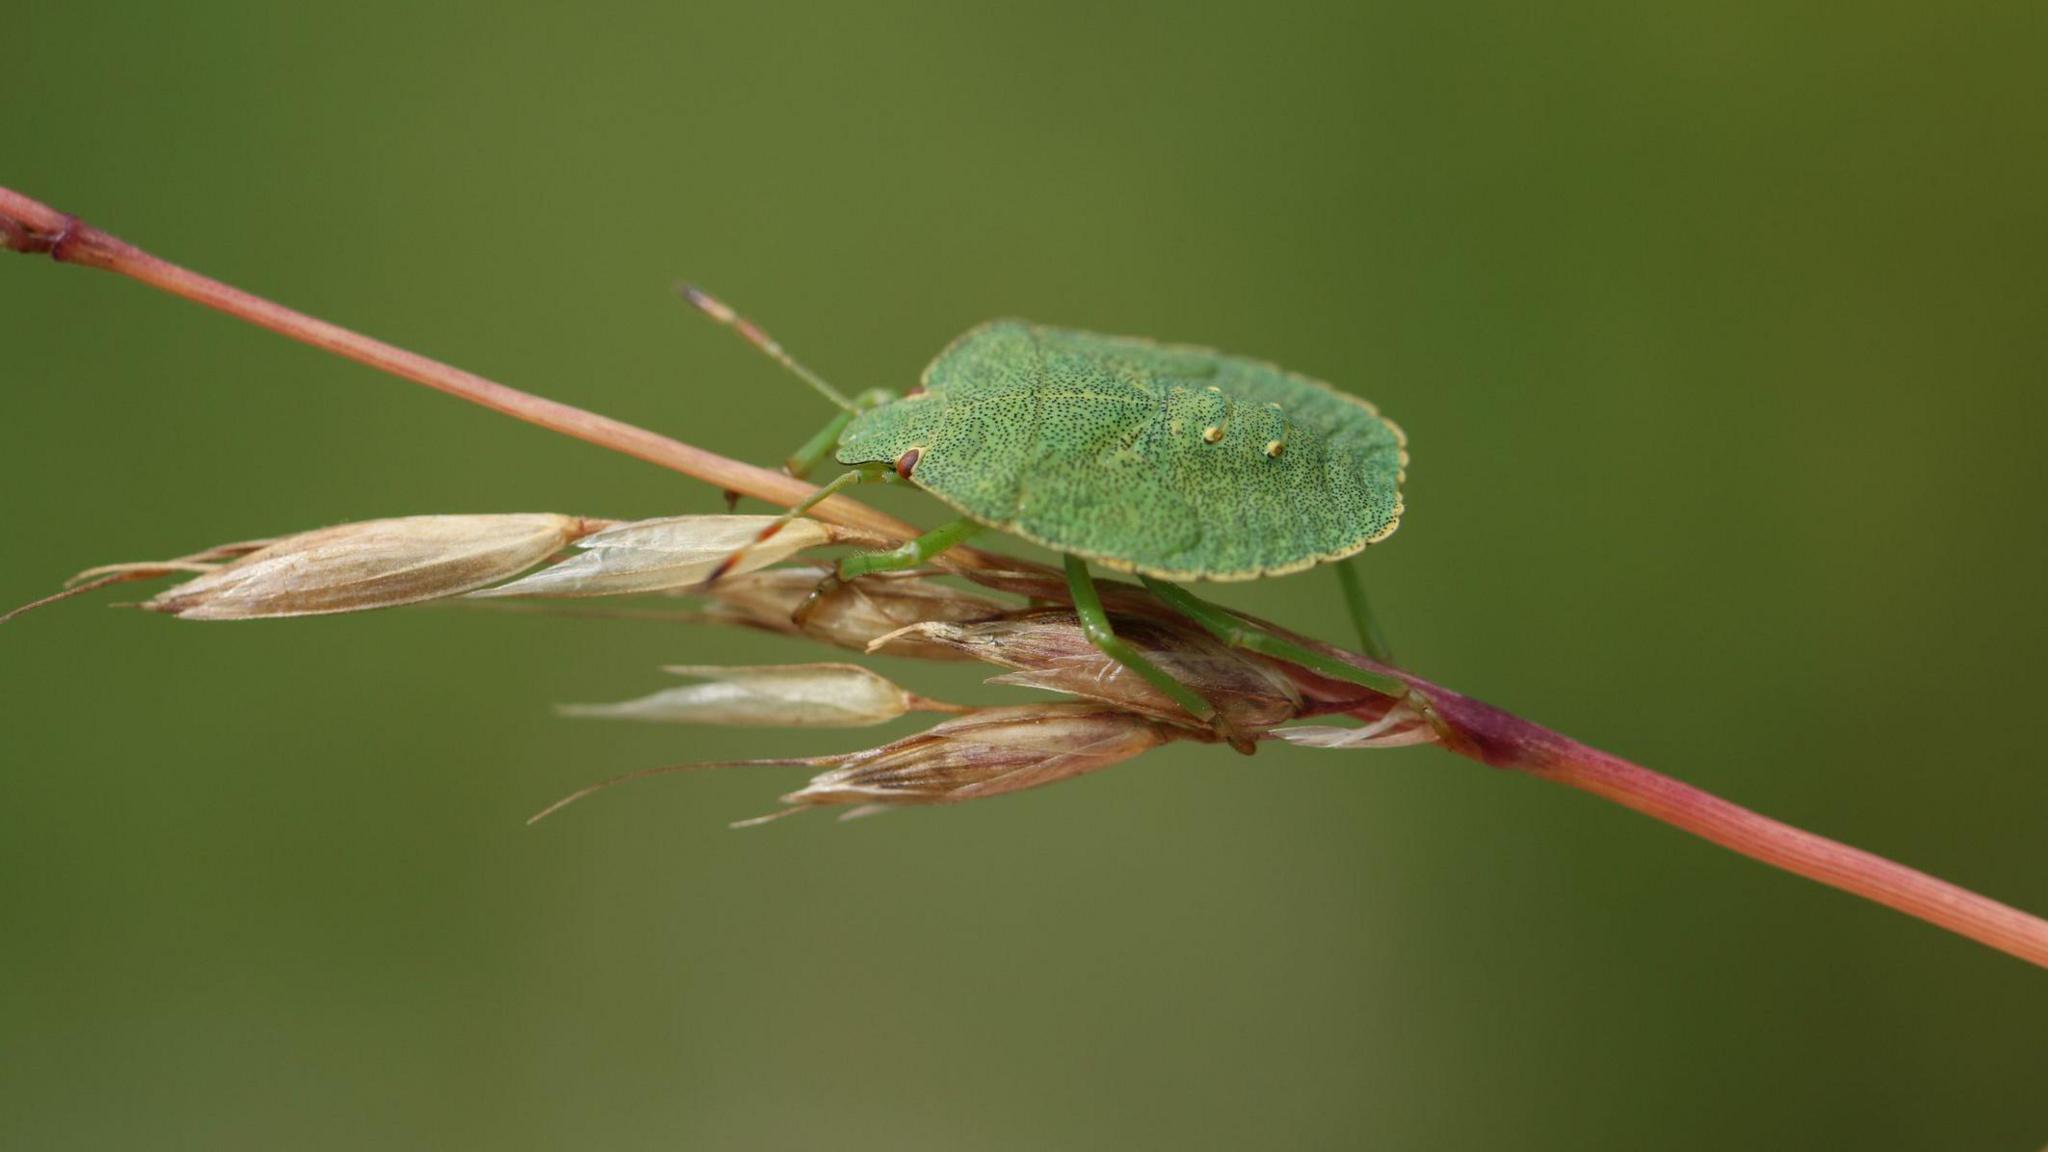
(1717, 330)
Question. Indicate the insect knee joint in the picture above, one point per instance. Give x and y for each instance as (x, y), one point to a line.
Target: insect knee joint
(1098, 633)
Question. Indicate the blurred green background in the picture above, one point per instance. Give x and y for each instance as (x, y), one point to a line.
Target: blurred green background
(1718, 333)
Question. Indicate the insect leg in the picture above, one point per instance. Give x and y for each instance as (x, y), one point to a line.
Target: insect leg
(817, 449)
(1095, 624)
(1371, 640)
(867, 474)
(1235, 632)
(911, 554)
(814, 452)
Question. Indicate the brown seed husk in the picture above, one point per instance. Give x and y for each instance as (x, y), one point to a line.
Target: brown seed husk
(985, 753)
(370, 564)
(676, 553)
(1046, 648)
(855, 614)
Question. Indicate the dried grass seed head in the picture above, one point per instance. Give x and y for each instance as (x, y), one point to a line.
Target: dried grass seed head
(675, 553)
(371, 564)
(773, 696)
(1046, 648)
(855, 614)
(986, 753)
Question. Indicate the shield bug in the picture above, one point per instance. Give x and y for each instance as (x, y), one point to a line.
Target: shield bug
(1169, 462)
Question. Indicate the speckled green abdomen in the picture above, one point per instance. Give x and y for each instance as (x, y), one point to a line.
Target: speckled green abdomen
(1176, 462)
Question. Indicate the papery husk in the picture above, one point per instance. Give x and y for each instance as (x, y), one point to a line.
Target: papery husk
(771, 695)
(854, 614)
(676, 553)
(985, 753)
(371, 564)
(1046, 648)
(1398, 726)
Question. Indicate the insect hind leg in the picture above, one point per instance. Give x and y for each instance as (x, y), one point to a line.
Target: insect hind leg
(1371, 640)
(1095, 624)
(1234, 631)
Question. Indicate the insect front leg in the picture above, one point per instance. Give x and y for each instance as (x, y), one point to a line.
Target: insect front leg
(817, 449)
(1095, 624)
(865, 474)
(911, 554)
(814, 452)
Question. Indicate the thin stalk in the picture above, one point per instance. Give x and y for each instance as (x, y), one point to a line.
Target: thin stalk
(28, 225)
(1471, 728)
(1497, 738)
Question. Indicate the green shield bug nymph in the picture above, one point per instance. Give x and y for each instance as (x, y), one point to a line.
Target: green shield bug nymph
(1166, 461)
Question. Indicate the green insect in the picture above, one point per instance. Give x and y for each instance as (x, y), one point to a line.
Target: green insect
(1166, 461)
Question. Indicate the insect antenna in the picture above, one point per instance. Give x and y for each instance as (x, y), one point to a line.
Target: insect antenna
(720, 311)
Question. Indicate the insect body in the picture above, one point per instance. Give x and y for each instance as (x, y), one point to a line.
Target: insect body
(1167, 461)
(1175, 462)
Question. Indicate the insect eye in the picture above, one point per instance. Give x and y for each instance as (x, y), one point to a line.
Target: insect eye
(907, 462)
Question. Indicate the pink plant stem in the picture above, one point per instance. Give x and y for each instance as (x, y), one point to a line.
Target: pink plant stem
(1474, 729)
(28, 225)
(1494, 737)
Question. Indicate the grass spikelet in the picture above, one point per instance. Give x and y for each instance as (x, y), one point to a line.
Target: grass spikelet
(675, 553)
(371, 564)
(770, 696)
